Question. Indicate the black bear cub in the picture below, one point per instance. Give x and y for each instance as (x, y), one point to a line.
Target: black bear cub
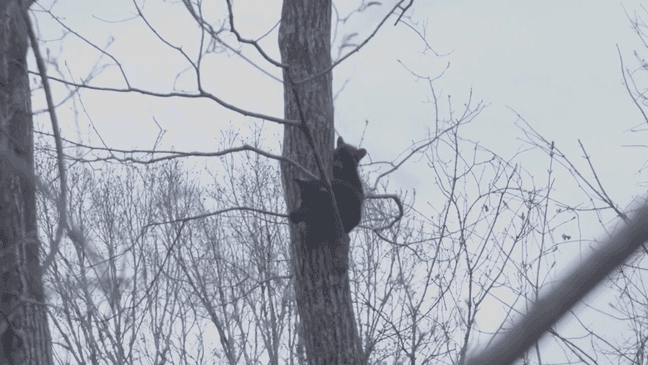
(315, 207)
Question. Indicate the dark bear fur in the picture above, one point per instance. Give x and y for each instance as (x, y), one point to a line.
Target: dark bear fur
(316, 209)
(348, 189)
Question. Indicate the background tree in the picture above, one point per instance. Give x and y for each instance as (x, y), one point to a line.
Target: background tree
(24, 330)
(182, 256)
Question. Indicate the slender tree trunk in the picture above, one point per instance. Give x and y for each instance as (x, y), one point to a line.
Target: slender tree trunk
(23, 321)
(320, 263)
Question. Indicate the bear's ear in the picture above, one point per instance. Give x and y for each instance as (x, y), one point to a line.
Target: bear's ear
(360, 154)
(340, 141)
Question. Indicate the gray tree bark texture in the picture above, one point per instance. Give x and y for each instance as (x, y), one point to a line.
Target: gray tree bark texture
(24, 331)
(320, 263)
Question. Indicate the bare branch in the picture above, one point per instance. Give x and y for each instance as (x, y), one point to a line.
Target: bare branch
(404, 9)
(210, 30)
(179, 49)
(249, 41)
(550, 148)
(573, 286)
(328, 69)
(625, 82)
(412, 153)
(101, 50)
(602, 194)
(62, 201)
(200, 94)
(210, 214)
(178, 154)
(396, 199)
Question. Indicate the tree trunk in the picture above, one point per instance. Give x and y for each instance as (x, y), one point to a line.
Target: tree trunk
(320, 263)
(23, 322)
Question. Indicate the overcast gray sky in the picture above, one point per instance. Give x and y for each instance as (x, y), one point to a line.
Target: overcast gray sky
(553, 62)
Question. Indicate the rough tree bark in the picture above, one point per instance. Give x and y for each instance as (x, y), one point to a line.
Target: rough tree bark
(320, 263)
(24, 332)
